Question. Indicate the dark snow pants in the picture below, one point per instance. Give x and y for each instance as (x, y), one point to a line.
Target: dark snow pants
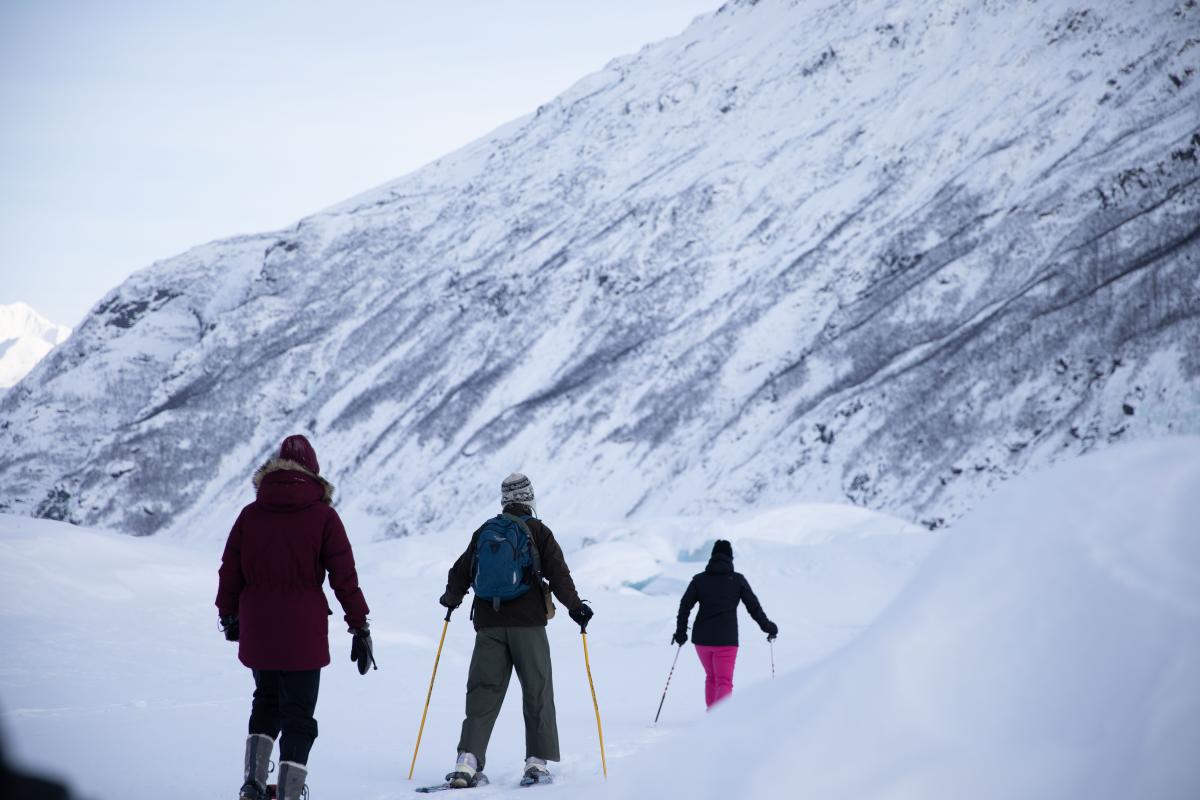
(283, 708)
(497, 652)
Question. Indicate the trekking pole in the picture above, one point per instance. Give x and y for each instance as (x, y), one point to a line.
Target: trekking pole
(599, 729)
(771, 641)
(436, 659)
(668, 686)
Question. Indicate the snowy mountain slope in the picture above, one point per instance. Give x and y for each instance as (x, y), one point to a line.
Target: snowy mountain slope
(1049, 648)
(121, 668)
(878, 251)
(25, 339)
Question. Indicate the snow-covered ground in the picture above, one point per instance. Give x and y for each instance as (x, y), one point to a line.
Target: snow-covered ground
(1047, 645)
(117, 677)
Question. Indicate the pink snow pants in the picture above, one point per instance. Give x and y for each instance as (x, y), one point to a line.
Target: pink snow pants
(718, 671)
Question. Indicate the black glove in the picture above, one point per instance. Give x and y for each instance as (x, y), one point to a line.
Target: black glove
(581, 616)
(772, 630)
(361, 649)
(230, 627)
(680, 637)
(448, 601)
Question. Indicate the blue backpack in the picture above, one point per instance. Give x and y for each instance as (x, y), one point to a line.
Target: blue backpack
(506, 562)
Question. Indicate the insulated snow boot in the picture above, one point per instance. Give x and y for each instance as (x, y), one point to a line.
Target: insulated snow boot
(535, 771)
(465, 769)
(258, 765)
(291, 781)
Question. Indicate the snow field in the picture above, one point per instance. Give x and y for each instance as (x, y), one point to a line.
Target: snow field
(116, 675)
(1046, 646)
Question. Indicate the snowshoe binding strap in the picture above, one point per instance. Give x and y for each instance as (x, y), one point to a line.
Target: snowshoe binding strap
(465, 780)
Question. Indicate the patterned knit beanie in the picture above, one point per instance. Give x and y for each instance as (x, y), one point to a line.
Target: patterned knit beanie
(516, 488)
(297, 448)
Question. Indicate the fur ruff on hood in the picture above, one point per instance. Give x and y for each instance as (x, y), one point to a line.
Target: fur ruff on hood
(282, 464)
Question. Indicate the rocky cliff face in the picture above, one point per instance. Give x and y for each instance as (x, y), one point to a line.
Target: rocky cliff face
(889, 252)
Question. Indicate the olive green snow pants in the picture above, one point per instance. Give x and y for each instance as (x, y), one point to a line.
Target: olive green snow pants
(497, 651)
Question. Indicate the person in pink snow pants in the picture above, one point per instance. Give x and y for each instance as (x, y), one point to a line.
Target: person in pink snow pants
(719, 591)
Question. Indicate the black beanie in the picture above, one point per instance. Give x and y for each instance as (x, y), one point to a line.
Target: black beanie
(722, 547)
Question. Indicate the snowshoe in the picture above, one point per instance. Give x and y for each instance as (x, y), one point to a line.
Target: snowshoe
(479, 779)
(535, 772)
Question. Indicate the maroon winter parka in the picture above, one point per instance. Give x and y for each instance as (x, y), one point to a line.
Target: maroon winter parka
(274, 566)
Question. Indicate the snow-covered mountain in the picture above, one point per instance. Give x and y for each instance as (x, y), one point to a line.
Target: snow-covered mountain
(25, 339)
(890, 252)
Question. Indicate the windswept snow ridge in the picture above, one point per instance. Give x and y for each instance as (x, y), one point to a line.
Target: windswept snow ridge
(882, 252)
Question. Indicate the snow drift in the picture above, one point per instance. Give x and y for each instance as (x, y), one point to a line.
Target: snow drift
(1050, 648)
(878, 252)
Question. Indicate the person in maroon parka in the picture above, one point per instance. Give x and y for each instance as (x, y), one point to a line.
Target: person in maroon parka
(270, 601)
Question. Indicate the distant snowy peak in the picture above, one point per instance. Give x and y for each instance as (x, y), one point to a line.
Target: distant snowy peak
(25, 339)
(20, 320)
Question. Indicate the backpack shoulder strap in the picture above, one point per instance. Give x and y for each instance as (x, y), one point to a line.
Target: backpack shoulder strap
(537, 559)
(524, 526)
(475, 548)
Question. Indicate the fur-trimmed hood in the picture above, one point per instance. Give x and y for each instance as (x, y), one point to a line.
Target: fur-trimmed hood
(279, 554)
(287, 465)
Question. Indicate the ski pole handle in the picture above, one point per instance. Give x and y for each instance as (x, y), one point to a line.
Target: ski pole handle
(581, 616)
(371, 654)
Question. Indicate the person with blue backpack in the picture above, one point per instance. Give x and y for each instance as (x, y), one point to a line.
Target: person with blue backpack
(513, 563)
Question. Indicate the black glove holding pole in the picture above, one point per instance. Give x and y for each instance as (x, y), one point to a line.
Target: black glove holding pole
(680, 637)
(771, 630)
(230, 627)
(582, 615)
(448, 601)
(361, 650)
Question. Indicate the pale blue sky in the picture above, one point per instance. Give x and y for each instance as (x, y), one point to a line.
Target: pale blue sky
(134, 130)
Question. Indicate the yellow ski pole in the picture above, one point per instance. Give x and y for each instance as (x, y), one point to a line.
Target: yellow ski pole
(436, 659)
(595, 705)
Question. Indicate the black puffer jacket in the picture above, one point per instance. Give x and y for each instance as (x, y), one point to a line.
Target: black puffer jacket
(719, 590)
